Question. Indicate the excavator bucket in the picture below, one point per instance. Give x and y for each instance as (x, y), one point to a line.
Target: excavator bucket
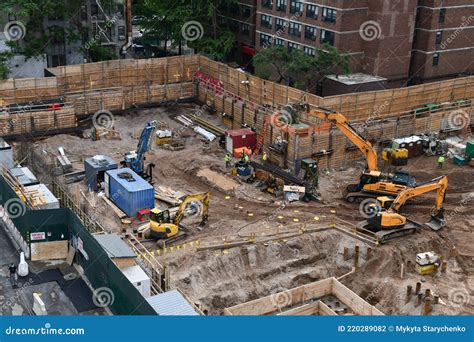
(436, 222)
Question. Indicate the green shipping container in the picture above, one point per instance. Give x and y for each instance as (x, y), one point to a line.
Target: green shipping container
(470, 149)
(459, 160)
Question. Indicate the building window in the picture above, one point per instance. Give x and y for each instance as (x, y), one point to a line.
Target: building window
(266, 21)
(267, 3)
(121, 32)
(296, 7)
(245, 29)
(329, 15)
(265, 39)
(312, 11)
(310, 51)
(246, 11)
(439, 37)
(280, 24)
(435, 59)
(310, 32)
(295, 29)
(58, 60)
(442, 15)
(281, 5)
(279, 42)
(293, 46)
(327, 37)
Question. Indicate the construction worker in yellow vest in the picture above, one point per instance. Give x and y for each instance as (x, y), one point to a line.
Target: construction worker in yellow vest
(227, 160)
(441, 160)
(264, 157)
(246, 158)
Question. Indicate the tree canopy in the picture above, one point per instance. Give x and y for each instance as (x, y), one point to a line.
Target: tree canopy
(297, 68)
(170, 20)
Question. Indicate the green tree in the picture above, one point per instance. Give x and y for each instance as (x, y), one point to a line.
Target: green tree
(32, 14)
(4, 58)
(99, 53)
(298, 69)
(168, 21)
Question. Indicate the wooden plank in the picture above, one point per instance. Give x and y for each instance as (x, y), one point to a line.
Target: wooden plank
(51, 250)
(309, 309)
(116, 209)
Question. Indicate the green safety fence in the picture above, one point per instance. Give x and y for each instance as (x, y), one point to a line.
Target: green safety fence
(101, 271)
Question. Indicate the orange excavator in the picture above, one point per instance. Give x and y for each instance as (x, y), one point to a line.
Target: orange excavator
(387, 222)
(372, 182)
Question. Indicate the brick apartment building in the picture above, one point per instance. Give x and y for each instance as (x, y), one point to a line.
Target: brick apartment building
(401, 41)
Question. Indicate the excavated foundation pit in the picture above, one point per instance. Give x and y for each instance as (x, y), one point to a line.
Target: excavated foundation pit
(220, 279)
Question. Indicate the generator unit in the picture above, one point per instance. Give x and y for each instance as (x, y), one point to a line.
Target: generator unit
(427, 263)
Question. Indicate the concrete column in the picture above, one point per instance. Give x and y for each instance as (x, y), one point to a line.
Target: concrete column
(356, 257)
(427, 306)
(419, 297)
(409, 291)
(418, 288)
(346, 253)
(444, 266)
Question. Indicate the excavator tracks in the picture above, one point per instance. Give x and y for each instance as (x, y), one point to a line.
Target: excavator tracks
(384, 236)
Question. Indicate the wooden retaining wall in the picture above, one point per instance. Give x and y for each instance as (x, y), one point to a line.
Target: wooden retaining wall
(120, 84)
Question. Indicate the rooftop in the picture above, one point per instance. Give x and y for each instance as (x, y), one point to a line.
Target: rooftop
(171, 303)
(115, 246)
(356, 78)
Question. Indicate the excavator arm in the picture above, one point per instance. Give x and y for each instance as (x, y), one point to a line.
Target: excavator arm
(203, 198)
(345, 127)
(440, 184)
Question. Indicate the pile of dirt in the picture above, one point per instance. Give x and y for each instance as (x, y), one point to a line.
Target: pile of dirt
(223, 279)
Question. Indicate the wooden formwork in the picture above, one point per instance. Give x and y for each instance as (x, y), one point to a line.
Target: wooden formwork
(305, 300)
(120, 84)
(23, 123)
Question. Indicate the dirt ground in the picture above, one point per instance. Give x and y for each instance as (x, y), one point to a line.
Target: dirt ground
(222, 278)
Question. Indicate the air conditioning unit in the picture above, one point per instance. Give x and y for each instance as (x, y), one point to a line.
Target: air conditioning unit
(121, 37)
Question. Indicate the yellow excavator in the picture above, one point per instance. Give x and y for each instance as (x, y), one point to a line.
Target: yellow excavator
(387, 222)
(164, 227)
(372, 182)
